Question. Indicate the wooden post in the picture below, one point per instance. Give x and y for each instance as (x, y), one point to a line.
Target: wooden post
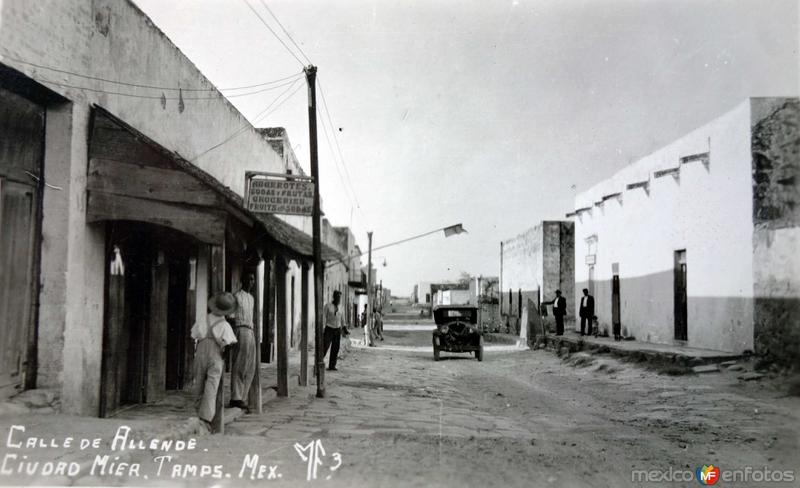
(268, 324)
(316, 231)
(281, 325)
(370, 303)
(218, 286)
(304, 269)
(157, 333)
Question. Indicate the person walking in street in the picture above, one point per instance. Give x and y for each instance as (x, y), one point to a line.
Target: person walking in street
(559, 311)
(378, 324)
(212, 336)
(334, 323)
(586, 312)
(244, 352)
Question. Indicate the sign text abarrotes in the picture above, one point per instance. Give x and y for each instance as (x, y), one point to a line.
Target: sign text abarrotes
(293, 197)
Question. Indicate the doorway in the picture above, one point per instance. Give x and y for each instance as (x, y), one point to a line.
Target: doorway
(147, 314)
(21, 160)
(681, 302)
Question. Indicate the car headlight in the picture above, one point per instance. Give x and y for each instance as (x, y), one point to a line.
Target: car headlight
(445, 329)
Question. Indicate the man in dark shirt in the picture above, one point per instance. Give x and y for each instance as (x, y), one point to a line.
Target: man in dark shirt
(559, 311)
(586, 312)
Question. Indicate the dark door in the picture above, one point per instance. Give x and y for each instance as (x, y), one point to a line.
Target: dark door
(21, 163)
(177, 323)
(616, 319)
(681, 308)
(127, 312)
(17, 286)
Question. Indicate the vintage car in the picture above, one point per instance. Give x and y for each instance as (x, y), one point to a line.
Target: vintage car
(457, 330)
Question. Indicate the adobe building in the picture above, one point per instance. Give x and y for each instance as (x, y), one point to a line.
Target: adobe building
(696, 244)
(123, 208)
(533, 265)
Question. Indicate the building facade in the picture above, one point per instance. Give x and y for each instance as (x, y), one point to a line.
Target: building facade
(696, 243)
(122, 208)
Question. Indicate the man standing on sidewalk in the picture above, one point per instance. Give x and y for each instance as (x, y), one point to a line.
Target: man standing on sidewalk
(244, 353)
(334, 322)
(586, 312)
(559, 310)
(212, 336)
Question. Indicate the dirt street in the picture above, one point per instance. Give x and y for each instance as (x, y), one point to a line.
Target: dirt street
(394, 417)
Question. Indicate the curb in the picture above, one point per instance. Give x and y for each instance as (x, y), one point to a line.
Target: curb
(563, 346)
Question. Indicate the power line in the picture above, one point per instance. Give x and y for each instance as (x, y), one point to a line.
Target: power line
(160, 97)
(266, 111)
(285, 31)
(273, 32)
(142, 85)
(348, 189)
(336, 163)
(339, 150)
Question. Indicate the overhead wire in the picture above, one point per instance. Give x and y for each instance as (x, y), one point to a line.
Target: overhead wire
(163, 97)
(273, 32)
(285, 31)
(335, 162)
(143, 85)
(269, 109)
(339, 151)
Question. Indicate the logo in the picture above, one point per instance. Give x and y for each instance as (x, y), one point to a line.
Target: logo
(707, 475)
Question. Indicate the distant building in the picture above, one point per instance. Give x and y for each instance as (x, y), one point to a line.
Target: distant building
(697, 243)
(424, 294)
(484, 289)
(533, 265)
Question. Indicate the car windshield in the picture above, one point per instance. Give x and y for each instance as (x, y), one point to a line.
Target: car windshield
(444, 315)
(458, 313)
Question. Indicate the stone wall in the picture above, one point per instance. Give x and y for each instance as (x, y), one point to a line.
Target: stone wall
(776, 239)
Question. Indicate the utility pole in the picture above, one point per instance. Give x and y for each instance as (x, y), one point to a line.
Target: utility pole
(319, 353)
(368, 328)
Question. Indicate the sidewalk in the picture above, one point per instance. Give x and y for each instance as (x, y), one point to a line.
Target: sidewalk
(637, 350)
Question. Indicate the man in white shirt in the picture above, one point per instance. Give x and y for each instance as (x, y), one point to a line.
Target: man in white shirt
(334, 322)
(212, 335)
(244, 352)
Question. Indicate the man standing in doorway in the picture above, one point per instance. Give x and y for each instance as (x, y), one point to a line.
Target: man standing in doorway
(244, 353)
(334, 322)
(559, 311)
(586, 312)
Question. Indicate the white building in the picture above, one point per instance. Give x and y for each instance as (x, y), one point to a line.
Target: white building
(696, 243)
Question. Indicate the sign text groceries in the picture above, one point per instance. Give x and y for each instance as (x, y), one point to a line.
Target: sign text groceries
(291, 197)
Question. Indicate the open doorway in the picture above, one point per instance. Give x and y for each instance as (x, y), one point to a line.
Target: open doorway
(681, 306)
(147, 313)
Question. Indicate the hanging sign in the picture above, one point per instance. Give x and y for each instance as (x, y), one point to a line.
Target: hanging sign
(285, 195)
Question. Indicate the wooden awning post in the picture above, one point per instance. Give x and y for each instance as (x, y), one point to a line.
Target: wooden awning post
(268, 324)
(281, 324)
(218, 286)
(304, 269)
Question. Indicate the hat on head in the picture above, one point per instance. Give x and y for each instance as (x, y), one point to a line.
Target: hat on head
(222, 303)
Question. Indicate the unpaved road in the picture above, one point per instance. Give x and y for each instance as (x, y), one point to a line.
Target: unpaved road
(524, 418)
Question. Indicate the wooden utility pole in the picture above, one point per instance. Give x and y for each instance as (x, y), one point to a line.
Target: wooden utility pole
(303, 379)
(368, 328)
(319, 352)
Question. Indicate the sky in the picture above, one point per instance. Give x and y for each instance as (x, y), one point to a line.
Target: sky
(493, 114)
